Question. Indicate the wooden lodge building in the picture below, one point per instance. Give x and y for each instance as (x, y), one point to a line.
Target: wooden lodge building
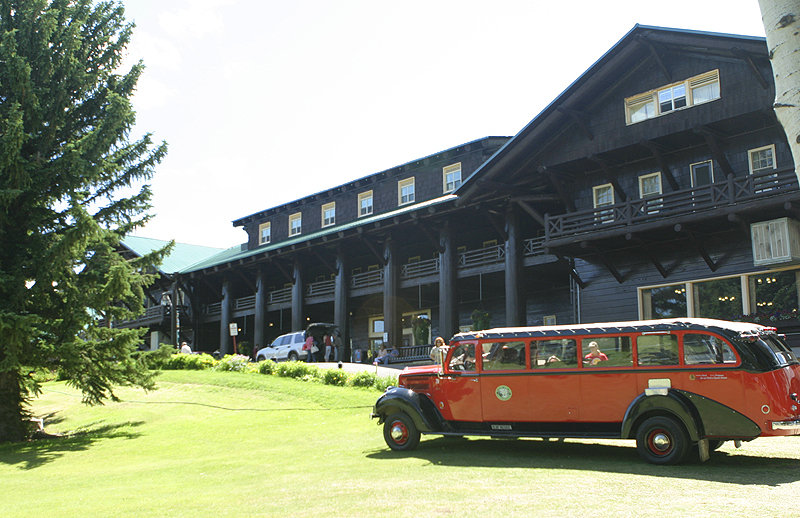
(658, 184)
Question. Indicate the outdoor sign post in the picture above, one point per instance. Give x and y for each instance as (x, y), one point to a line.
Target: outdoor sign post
(234, 328)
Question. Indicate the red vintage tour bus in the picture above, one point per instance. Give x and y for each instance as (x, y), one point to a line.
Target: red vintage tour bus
(669, 384)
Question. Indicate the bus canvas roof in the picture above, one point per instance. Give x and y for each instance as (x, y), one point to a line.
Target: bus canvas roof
(638, 326)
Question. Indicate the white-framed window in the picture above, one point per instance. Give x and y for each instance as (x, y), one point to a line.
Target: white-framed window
(329, 214)
(365, 204)
(295, 224)
(762, 160)
(702, 173)
(650, 190)
(451, 175)
(549, 320)
(672, 98)
(265, 233)
(405, 191)
(668, 98)
(603, 196)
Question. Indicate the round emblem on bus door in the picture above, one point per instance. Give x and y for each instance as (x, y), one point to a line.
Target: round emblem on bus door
(503, 393)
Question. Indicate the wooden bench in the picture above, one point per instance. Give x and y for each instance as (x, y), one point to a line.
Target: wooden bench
(412, 353)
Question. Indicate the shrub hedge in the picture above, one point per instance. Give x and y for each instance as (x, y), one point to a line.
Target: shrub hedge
(168, 358)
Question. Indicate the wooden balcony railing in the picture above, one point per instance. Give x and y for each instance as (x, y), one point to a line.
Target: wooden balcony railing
(321, 288)
(730, 191)
(366, 279)
(419, 269)
(480, 257)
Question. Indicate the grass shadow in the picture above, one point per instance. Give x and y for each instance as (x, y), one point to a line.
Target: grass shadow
(35, 453)
(723, 467)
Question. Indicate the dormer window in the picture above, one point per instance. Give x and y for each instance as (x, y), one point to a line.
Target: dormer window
(691, 92)
(405, 191)
(265, 233)
(452, 177)
(295, 224)
(329, 214)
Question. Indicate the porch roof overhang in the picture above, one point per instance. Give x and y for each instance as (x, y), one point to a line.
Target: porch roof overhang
(235, 255)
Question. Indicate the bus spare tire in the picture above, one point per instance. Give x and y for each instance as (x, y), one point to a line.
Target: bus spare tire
(400, 432)
(662, 440)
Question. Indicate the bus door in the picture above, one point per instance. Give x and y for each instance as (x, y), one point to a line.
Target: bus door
(504, 381)
(459, 385)
(553, 384)
(608, 382)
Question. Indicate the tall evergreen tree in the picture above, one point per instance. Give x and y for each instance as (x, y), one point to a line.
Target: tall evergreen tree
(69, 191)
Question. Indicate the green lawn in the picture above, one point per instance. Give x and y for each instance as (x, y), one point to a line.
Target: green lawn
(229, 444)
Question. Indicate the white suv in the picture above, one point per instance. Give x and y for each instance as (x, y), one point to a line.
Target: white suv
(285, 347)
(290, 346)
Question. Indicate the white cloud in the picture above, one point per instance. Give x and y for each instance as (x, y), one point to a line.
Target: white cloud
(155, 51)
(152, 93)
(200, 18)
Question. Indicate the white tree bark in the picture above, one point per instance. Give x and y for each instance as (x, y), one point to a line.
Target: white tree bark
(781, 20)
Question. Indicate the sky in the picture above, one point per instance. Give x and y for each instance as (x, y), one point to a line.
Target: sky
(263, 102)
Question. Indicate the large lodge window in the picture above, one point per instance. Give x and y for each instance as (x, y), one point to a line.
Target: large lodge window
(660, 101)
(771, 296)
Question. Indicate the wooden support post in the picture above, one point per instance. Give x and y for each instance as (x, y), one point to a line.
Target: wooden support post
(298, 297)
(448, 270)
(340, 300)
(259, 327)
(515, 316)
(392, 321)
(225, 318)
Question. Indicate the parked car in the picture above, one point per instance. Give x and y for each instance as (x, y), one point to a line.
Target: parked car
(290, 346)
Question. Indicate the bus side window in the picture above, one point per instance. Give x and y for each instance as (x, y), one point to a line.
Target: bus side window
(554, 354)
(616, 348)
(463, 358)
(702, 349)
(657, 349)
(504, 356)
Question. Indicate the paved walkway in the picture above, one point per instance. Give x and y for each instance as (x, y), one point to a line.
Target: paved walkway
(380, 370)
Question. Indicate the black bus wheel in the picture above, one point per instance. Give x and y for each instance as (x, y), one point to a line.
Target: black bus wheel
(400, 432)
(662, 440)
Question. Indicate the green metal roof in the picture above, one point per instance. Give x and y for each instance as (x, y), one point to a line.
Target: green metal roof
(236, 253)
(182, 255)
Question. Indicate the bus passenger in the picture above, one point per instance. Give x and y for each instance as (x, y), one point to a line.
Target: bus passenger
(594, 356)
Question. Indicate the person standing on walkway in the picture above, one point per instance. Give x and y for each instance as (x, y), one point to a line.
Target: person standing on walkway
(338, 347)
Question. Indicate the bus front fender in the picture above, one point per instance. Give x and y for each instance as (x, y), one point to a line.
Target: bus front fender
(418, 406)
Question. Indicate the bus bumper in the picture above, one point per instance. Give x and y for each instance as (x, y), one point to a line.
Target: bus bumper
(793, 425)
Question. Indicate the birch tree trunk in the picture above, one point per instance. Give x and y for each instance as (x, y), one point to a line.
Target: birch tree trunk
(781, 20)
